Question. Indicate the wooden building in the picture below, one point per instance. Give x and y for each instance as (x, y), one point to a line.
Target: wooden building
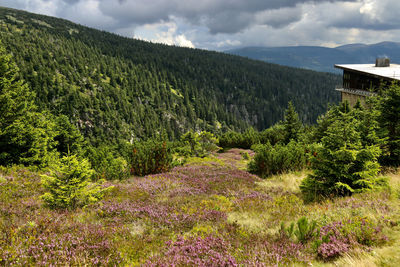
(363, 80)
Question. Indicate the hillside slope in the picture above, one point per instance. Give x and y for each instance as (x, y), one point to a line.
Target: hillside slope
(113, 87)
(321, 58)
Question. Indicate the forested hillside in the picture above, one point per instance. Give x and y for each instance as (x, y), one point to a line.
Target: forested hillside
(113, 87)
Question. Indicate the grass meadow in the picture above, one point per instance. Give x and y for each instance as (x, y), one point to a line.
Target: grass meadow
(209, 212)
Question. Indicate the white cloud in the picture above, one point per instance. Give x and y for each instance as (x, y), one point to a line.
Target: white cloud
(166, 33)
(181, 40)
(223, 24)
(44, 7)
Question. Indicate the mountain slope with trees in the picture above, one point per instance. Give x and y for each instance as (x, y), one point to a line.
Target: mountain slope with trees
(113, 87)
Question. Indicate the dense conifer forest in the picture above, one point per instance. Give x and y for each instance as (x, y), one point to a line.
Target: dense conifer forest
(114, 88)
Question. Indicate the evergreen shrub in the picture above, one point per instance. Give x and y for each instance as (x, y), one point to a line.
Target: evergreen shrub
(273, 135)
(68, 185)
(197, 144)
(107, 163)
(150, 157)
(280, 158)
(244, 140)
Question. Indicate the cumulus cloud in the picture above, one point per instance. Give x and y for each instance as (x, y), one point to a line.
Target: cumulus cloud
(278, 18)
(46, 7)
(166, 33)
(222, 24)
(220, 16)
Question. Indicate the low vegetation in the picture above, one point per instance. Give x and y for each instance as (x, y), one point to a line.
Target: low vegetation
(200, 213)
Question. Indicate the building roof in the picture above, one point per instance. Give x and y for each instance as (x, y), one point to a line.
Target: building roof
(391, 72)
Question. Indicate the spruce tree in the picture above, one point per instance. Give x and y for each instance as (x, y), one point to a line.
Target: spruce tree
(292, 124)
(325, 120)
(68, 186)
(389, 108)
(344, 164)
(26, 136)
(15, 97)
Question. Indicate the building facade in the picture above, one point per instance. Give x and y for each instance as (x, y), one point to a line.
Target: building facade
(363, 80)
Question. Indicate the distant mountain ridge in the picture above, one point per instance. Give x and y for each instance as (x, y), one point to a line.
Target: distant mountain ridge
(320, 58)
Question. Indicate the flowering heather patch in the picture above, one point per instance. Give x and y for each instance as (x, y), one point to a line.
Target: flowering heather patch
(282, 251)
(141, 189)
(339, 237)
(234, 155)
(19, 197)
(50, 243)
(198, 214)
(184, 191)
(196, 251)
(153, 184)
(333, 241)
(333, 248)
(157, 213)
(218, 180)
(19, 183)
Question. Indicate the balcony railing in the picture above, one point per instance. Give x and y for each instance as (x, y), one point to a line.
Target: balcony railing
(354, 91)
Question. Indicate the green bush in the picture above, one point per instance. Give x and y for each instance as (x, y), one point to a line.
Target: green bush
(273, 135)
(68, 138)
(197, 144)
(230, 139)
(239, 140)
(150, 157)
(68, 186)
(208, 143)
(305, 230)
(270, 160)
(107, 163)
(191, 140)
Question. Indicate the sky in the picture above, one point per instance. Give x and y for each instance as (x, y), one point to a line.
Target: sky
(227, 24)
